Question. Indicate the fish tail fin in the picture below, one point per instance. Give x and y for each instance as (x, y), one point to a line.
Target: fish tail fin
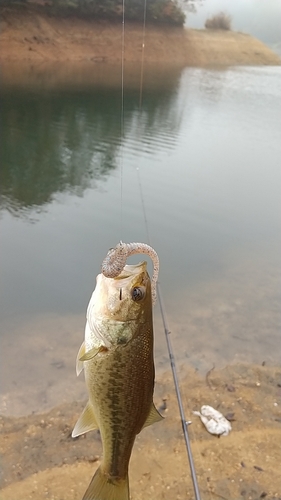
(104, 487)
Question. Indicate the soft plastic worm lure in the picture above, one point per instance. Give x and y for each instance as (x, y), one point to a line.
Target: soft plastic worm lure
(116, 258)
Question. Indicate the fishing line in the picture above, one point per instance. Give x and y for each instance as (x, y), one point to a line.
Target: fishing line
(161, 303)
(162, 310)
(122, 115)
(142, 55)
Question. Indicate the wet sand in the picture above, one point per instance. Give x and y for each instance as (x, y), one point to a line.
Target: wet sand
(41, 460)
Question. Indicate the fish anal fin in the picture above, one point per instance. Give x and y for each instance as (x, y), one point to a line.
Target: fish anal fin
(86, 422)
(153, 416)
(79, 363)
(104, 487)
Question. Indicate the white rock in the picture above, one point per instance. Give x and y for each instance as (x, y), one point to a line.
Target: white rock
(214, 421)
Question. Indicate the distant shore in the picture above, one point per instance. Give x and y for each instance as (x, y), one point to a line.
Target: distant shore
(31, 35)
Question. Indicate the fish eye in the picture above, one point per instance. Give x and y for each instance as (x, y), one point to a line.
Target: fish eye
(138, 293)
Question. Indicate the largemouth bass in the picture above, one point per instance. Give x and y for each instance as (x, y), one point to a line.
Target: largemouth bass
(117, 356)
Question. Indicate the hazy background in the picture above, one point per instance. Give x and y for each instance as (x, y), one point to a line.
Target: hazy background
(261, 18)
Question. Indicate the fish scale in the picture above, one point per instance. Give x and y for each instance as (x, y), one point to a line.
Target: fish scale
(117, 357)
(123, 410)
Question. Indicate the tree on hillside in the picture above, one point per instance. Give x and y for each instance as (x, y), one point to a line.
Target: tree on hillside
(157, 11)
(190, 5)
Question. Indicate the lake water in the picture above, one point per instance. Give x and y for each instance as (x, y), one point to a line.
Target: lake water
(198, 164)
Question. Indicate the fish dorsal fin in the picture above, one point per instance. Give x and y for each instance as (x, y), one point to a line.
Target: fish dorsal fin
(86, 422)
(153, 416)
(79, 363)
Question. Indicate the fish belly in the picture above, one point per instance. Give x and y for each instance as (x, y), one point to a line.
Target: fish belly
(120, 383)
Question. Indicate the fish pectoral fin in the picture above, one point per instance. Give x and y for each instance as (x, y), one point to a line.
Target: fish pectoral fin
(86, 356)
(79, 363)
(86, 422)
(91, 353)
(153, 416)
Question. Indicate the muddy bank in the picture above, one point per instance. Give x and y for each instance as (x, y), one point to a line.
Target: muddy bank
(77, 75)
(40, 458)
(31, 35)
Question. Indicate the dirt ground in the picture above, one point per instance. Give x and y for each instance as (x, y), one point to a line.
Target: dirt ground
(29, 34)
(41, 460)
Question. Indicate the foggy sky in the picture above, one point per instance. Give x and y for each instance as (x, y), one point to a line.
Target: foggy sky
(260, 18)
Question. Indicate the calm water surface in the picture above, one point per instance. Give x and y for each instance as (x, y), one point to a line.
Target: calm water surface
(199, 158)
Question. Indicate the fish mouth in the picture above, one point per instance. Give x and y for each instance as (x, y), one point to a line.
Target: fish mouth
(130, 270)
(121, 299)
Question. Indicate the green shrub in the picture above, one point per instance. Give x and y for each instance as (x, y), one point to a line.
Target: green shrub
(157, 11)
(165, 11)
(220, 21)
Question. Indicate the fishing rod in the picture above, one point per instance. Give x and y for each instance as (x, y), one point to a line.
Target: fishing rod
(165, 323)
(172, 359)
(184, 423)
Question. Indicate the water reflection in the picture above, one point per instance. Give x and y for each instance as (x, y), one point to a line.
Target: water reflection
(207, 151)
(67, 140)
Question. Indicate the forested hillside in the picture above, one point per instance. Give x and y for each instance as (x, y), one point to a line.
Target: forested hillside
(154, 11)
